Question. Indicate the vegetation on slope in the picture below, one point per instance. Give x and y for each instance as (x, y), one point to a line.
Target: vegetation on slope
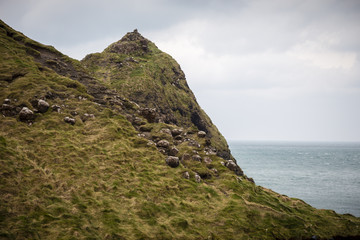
(100, 179)
(138, 70)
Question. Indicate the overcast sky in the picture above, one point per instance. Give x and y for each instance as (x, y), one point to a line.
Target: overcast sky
(262, 70)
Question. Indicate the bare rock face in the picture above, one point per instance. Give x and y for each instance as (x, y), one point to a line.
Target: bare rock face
(70, 120)
(42, 106)
(26, 114)
(172, 161)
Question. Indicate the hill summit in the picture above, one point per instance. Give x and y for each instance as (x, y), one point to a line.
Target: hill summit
(116, 147)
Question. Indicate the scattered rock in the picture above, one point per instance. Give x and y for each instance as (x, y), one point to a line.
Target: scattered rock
(149, 114)
(201, 134)
(230, 164)
(141, 135)
(42, 106)
(210, 151)
(7, 101)
(185, 157)
(166, 130)
(250, 179)
(214, 170)
(138, 121)
(193, 143)
(146, 128)
(8, 110)
(150, 143)
(207, 160)
(162, 151)
(196, 158)
(176, 131)
(172, 161)
(56, 108)
(197, 178)
(26, 114)
(163, 143)
(87, 116)
(178, 138)
(74, 113)
(173, 151)
(70, 120)
(186, 175)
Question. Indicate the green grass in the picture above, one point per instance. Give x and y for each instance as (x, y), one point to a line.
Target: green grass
(99, 180)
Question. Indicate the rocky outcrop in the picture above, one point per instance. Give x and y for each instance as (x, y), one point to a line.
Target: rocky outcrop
(230, 164)
(26, 114)
(163, 143)
(172, 161)
(70, 120)
(42, 106)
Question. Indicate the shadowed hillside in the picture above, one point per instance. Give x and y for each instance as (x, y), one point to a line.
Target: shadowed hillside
(116, 147)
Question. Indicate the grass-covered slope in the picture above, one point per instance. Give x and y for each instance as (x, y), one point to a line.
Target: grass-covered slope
(137, 69)
(103, 177)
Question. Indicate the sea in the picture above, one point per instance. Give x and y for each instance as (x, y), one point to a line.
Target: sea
(325, 175)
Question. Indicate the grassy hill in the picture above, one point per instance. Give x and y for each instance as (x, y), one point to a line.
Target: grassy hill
(92, 162)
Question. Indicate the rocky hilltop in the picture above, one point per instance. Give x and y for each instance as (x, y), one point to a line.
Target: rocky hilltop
(116, 147)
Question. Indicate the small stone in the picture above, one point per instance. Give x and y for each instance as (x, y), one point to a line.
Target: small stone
(201, 134)
(138, 121)
(166, 130)
(26, 114)
(197, 178)
(186, 175)
(214, 170)
(56, 108)
(172, 161)
(149, 114)
(207, 160)
(230, 164)
(162, 151)
(163, 143)
(87, 116)
(196, 158)
(42, 106)
(176, 131)
(70, 120)
(74, 113)
(7, 107)
(173, 151)
(178, 138)
(146, 128)
(185, 157)
(7, 101)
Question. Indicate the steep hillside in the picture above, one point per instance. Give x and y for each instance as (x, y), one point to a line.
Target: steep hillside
(138, 70)
(83, 154)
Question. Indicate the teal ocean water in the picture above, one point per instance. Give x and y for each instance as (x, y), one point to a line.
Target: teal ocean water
(325, 175)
